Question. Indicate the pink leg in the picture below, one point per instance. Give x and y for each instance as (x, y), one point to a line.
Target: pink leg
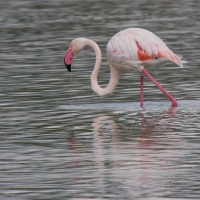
(141, 90)
(174, 103)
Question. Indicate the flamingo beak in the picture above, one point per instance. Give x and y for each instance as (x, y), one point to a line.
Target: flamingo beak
(68, 58)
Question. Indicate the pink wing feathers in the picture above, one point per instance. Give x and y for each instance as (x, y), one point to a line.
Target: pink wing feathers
(138, 46)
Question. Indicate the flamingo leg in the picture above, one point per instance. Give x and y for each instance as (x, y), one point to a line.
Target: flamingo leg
(141, 90)
(174, 103)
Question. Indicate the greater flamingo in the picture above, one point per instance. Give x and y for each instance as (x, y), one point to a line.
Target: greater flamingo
(128, 50)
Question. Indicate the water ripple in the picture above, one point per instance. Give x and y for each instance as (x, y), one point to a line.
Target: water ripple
(59, 140)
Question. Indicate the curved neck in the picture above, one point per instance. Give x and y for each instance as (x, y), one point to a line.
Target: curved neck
(114, 73)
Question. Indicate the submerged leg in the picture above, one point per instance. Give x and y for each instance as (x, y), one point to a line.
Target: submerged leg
(141, 90)
(174, 103)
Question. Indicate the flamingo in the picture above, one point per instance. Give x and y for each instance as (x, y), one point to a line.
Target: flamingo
(132, 49)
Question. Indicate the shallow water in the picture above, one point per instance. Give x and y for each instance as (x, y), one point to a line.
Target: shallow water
(59, 140)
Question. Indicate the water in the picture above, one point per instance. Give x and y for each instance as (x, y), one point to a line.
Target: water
(59, 140)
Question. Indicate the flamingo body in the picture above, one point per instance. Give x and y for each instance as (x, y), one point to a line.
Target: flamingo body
(128, 50)
(135, 48)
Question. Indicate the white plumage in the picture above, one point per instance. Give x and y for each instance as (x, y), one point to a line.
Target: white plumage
(135, 48)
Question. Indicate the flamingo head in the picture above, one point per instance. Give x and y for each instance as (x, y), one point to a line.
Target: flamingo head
(75, 47)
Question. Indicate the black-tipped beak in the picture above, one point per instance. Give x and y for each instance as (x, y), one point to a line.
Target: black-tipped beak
(68, 67)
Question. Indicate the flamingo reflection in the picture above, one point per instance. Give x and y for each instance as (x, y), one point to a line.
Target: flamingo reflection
(120, 151)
